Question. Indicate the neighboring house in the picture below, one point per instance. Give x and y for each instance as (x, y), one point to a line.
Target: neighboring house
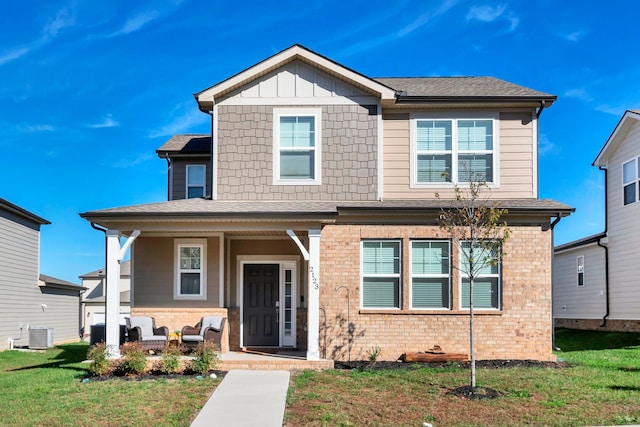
(309, 216)
(596, 279)
(93, 300)
(27, 298)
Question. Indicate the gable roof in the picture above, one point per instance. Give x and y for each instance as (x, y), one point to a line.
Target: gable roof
(22, 213)
(125, 270)
(52, 282)
(207, 97)
(617, 136)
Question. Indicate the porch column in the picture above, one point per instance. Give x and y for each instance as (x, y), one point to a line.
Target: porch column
(112, 296)
(313, 297)
(115, 253)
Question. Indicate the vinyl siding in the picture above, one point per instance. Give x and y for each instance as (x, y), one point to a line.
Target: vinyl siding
(179, 176)
(153, 274)
(517, 159)
(624, 234)
(571, 301)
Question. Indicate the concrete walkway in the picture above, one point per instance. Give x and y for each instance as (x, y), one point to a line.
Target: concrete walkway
(246, 398)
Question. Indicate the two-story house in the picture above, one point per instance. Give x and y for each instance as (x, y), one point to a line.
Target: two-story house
(596, 278)
(308, 216)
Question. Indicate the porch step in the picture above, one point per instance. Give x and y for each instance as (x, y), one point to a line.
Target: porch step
(248, 361)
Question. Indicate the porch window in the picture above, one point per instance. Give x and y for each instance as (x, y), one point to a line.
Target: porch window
(486, 286)
(190, 258)
(195, 181)
(381, 274)
(297, 143)
(430, 275)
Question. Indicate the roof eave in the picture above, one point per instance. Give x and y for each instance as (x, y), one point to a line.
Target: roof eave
(600, 160)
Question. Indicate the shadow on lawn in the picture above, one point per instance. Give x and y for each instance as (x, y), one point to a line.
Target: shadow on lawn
(579, 340)
(67, 355)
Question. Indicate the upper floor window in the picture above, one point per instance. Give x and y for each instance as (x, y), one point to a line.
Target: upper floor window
(630, 178)
(190, 271)
(297, 146)
(381, 274)
(486, 286)
(195, 181)
(430, 275)
(449, 150)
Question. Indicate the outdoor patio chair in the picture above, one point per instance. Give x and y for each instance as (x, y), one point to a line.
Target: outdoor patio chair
(143, 330)
(208, 330)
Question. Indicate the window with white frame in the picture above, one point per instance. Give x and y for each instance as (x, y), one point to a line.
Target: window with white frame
(630, 180)
(195, 181)
(297, 146)
(453, 150)
(580, 270)
(486, 286)
(430, 274)
(381, 274)
(190, 269)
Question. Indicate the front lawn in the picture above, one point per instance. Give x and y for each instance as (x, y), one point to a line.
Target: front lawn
(45, 388)
(601, 387)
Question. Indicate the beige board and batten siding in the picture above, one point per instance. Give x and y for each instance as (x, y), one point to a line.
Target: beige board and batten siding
(624, 234)
(571, 301)
(154, 274)
(517, 158)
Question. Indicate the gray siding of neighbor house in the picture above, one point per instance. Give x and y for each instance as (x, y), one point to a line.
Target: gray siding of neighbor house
(245, 155)
(153, 274)
(179, 176)
(62, 313)
(624, 233)
(20, 296)
(571, 301)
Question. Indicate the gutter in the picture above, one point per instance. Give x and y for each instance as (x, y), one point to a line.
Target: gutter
(543, 104)
(606, 248)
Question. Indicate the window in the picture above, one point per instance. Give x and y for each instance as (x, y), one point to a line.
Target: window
(297, 143)
(381, 274)
(430, 275)
(195, 181)
(580, 270)
(453, 150)
(190, 259)
(486, 286)
(630, 176)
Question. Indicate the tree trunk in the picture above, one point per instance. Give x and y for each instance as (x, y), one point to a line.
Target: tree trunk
(472, 355)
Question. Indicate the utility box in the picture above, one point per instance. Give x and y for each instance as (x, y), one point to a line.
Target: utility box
(40, 337)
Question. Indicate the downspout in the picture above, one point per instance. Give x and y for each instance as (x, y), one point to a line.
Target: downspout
(169, 177)
(606, 248)
(543, 103)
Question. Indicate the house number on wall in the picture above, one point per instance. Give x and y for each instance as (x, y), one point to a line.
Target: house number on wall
(314, 279)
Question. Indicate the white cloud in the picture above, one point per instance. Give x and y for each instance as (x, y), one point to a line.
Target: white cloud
(485, 13)
(573, 37)
(108, 122)
(181, 124)
(35, 128)
(13, 54)
(137, 22)
(615, 110)
(579, 93)
(545, 146)
(129, 163)
(63, 19)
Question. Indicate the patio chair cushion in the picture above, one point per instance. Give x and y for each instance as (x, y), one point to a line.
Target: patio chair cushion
(214, 322)
(146, 326)
(198, 338)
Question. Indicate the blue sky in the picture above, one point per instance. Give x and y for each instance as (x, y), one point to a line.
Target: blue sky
(89, 89)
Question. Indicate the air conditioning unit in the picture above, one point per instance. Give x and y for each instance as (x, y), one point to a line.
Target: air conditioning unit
(40, 337)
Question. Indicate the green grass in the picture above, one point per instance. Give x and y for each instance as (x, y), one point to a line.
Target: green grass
(601, 387)
(46, 388)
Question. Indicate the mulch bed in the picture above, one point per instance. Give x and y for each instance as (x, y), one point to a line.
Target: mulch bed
(151, 376)
(486, 364)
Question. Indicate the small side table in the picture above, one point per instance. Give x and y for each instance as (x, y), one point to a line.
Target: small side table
(174, 339)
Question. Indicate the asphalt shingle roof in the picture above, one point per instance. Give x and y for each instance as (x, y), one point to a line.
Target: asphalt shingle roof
(187, 144)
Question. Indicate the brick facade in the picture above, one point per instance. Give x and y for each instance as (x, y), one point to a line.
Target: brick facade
(521, 329)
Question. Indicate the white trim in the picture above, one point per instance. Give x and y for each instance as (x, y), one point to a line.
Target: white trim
(380, 164)
(398, 275)
(214, 160)
(316, 113)
(430, 276)
(202, 244)
(221, 271)
(285, 262)
(578, 257)
(635, 181)
(536, 154)
(302, 101)
(453, 117)
(463, 275)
